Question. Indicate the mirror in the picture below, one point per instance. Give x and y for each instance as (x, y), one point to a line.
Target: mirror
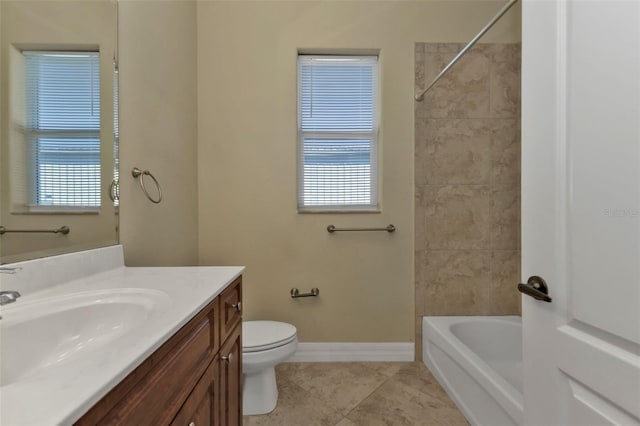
(58, 127)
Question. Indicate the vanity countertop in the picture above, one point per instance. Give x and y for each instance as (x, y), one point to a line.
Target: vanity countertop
(62, 393)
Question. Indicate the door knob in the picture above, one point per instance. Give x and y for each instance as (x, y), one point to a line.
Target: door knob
(535, 287)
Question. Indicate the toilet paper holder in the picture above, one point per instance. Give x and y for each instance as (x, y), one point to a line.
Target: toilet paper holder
(296, 293)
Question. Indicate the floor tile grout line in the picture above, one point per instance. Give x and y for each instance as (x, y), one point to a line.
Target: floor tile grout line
(339, 412)
(369, 395)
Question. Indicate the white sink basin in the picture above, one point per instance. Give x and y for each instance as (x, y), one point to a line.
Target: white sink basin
(39, 336)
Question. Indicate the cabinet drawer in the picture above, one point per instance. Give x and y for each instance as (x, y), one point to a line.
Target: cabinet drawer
(154, 392)
(230, 309)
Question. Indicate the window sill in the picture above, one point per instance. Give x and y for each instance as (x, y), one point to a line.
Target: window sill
(345, 211)
(36, 210)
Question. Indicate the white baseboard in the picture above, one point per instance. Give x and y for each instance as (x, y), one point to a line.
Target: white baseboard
(353, 352)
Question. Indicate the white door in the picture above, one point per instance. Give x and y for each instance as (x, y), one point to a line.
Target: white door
(581, 211)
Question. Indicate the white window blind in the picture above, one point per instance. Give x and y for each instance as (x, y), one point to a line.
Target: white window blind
(63, 127)
(337, 132)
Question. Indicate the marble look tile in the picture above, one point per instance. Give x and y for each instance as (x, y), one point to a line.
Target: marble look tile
(505, 80)
(345, 422)
(395, 403)
(419, 71)
(505, 276)
(467, 177)
(421, 281)
(409, 395)
(418, 47)
(442, 47)
(505, 218)
(454, 151)
(420, 154)
(418, 338)
(457, 281)
(420, 218)
(386, 368)
(456, 216)
(505, 151)
(295, 407)
(463, 92)
(340, 386)
(417, 376)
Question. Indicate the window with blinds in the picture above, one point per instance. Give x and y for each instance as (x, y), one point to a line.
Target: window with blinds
(63, 127)
(337, 133)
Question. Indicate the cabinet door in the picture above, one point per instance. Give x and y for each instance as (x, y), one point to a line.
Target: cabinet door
(202, 406)
(231, 380)
(230, 309)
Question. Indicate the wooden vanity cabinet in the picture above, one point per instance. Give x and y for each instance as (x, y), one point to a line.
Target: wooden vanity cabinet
(193, 379)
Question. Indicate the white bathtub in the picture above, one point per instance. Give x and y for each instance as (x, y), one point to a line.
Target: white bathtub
(478, 361)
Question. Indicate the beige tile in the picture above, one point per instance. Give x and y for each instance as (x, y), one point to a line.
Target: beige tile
(442, 47)
(454, 151)
(456, 216)
(505, 276)
(386, 368)
(345, 422)
(505, 151)
(433, 61)
(417, 376)
(340, 386)
(463, 92)
(420, 218)
(420, 143)
(505, 81)
(419, 70)
(395, 403)
(505, 218)
(421, 281)
(295, 407)
(410, 396)
(288, 369)
(418, 338)
(457, 281)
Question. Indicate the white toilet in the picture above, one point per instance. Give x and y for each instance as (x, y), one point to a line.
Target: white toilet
(264, 345)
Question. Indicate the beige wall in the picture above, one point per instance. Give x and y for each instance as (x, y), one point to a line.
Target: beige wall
(467, 178)
(247, 158)
(158, 130)
(51, 25)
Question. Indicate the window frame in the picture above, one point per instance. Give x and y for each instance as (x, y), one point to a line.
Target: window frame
(33, 134)
(373, 206)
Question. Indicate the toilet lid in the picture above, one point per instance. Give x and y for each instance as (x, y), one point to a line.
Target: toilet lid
(263, 335)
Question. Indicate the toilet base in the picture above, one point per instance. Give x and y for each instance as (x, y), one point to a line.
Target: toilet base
(260, 392)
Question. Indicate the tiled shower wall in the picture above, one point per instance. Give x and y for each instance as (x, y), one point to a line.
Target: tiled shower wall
(467, 182)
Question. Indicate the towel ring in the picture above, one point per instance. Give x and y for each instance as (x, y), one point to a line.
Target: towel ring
(140, 174)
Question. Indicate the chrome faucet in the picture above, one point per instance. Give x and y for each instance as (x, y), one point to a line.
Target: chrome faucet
(7, 297)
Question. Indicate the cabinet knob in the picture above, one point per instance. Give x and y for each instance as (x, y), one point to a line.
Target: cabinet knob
(192, 424)
(237, 306)
(227, 358)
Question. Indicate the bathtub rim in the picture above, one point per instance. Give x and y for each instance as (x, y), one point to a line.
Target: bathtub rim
(436, 331)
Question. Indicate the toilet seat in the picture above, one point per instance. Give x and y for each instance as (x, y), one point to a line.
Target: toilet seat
(263, 335)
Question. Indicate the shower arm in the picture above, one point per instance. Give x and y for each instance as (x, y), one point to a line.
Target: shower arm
(420, 96)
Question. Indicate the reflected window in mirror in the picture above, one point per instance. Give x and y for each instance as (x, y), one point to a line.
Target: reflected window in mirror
(33, 153)
(62, 117)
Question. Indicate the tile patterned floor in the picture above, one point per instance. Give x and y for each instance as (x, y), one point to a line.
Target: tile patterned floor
(361, 394)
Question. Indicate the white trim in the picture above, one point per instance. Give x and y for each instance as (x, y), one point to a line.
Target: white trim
(353, 352)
